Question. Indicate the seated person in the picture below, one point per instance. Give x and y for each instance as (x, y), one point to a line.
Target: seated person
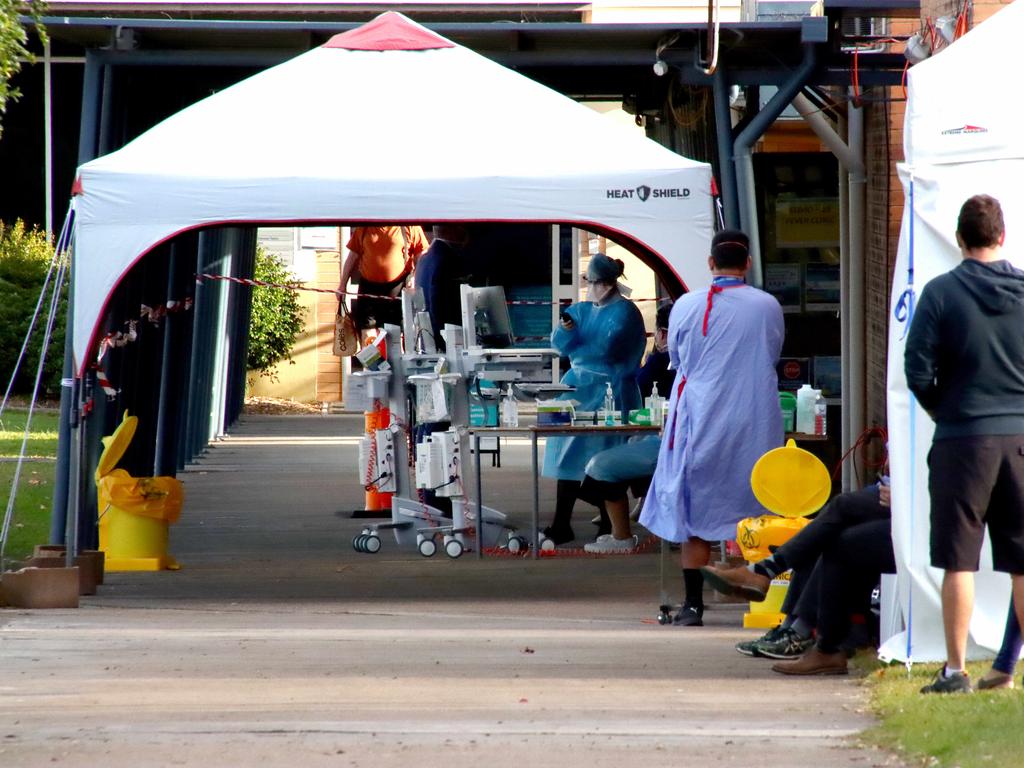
(795, 635)
(850, 545)
(1001, 674)
(850, 568)
(614, 471)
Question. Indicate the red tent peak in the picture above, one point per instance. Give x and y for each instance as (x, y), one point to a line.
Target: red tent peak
(389, 32)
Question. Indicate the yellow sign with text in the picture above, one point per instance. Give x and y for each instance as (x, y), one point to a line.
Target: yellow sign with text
(807, 223)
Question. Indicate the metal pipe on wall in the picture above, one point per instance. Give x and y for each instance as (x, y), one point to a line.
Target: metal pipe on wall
(858, 302)
(850, 155)
(744, 159)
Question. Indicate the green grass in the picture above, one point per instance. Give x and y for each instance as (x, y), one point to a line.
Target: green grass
(979, 730)
(31, 519)
(42, 439)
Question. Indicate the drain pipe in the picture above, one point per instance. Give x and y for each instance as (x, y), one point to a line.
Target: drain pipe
(850, 155)
(744, 159)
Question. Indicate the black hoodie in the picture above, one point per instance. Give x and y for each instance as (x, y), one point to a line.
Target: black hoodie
(965, 350)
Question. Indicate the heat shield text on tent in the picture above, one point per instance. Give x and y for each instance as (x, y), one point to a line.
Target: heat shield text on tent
(643, 192)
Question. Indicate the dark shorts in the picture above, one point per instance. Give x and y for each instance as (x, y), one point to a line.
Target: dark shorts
(368, 311)
(976, 481)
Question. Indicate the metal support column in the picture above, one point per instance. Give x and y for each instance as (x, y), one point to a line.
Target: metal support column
(88, 139)
(726, 166)
(743, 153)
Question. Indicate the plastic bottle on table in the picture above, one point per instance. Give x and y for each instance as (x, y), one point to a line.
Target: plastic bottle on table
(805, 397)
(509, 409)
(820, 416)
(608, 411)
(654, 407)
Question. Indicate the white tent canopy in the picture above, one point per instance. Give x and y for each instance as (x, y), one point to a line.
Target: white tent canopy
(388, 122)
(962, 137)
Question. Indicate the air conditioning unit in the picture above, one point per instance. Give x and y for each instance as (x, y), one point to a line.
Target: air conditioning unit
(862, 27)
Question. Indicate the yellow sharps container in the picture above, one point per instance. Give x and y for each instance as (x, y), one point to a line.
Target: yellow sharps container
(134, 512)
(792, 483)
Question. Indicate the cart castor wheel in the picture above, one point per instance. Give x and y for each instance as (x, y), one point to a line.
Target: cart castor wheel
(547, 545)
(664, 614)
(517, 544)
(427, 546)
(366, 542)
(452, 547)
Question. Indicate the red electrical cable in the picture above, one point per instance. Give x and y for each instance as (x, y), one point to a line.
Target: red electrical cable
(861, 442)
(856, 78)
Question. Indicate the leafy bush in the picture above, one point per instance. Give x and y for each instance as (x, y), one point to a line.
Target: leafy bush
(276, 316)
(25, 257)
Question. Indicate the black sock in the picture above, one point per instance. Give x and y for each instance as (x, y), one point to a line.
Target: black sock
(693, 584)
(771, 566)
(565, 499)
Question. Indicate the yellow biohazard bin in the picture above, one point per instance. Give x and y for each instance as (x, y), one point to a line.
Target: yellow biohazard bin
(792, 483)
(134, 512)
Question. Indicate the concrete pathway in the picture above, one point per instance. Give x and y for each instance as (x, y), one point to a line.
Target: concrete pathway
(278, 645)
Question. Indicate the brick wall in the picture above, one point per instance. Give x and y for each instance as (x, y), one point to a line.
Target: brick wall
(328, 367)
(883, 139)
(982, 9)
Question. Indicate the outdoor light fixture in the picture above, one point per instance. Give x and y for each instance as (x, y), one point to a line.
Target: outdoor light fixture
(917, 49)
(946, 27)
(660, 65)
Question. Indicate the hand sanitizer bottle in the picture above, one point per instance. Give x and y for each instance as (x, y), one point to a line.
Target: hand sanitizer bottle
(509, 409)
(820, 415)
(609, 406)
(653, 406)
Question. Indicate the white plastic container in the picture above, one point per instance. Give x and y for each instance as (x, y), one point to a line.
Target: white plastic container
(805, 397)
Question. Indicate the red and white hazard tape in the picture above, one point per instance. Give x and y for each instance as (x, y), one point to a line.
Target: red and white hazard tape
(200, 277)
(105, 385)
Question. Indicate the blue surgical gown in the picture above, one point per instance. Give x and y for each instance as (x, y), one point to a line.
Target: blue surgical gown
(723, 413)
(605, 345)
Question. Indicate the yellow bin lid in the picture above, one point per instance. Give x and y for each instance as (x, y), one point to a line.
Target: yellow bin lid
(115, 445)
(790, 481)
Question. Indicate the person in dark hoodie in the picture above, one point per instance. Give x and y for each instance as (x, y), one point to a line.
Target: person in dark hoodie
(964, 362)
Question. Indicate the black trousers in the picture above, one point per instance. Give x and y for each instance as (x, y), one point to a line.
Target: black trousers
(850, 569)
(843, 512)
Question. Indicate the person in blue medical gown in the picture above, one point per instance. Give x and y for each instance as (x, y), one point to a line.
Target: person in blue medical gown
(604, 339)
(723, 413)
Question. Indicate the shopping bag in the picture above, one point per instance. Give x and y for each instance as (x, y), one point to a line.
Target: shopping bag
(346, 339)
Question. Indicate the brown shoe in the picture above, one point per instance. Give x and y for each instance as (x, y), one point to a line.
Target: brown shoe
(814, 662)
(739, 581)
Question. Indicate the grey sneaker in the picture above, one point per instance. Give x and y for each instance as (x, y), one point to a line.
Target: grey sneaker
(747, 647)
(788, 645)
(958, 682)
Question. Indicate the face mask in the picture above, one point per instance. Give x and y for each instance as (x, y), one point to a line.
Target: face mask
(599, 292)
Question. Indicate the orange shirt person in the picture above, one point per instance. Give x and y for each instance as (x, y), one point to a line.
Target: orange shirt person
(384, 259)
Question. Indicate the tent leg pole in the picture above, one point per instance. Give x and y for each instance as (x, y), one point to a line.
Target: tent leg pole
(74, 476)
